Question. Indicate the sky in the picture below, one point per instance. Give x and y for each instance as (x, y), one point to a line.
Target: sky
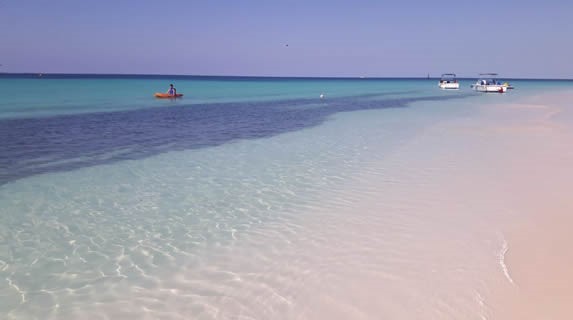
(404, 38)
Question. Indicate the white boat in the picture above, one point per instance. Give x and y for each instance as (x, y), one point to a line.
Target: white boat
(449, 81)
(487, 82)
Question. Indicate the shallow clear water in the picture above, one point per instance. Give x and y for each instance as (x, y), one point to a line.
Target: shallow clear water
(243, 202)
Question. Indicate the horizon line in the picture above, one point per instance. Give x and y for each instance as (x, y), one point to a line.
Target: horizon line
(260, 76)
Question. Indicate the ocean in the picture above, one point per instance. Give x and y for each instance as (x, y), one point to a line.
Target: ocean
(248, 198)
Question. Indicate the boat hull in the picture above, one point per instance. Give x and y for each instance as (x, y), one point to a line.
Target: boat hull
(490, 88)
(449, 86)
(167, 95)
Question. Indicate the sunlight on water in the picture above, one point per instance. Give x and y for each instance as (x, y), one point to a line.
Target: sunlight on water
(319, 220)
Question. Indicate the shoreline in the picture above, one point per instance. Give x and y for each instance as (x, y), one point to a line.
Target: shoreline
(510, 191)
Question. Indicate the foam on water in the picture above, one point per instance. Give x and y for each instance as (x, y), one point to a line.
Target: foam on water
(501, 255)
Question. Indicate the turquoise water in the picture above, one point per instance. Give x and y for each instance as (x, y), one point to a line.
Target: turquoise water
(30, 97)
(58, 96)
(67, 94)
(117, 205)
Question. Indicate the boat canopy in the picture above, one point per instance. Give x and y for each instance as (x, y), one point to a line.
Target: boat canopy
(489, 77)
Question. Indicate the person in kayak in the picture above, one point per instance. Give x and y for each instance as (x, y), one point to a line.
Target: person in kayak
(172, 91)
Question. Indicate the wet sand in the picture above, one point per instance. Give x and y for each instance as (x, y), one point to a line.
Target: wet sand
(538, 183)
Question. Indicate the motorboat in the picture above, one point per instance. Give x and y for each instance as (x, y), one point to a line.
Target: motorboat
(449, 81)
(487, 82)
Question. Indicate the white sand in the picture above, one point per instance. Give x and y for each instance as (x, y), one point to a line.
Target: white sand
(538, 183)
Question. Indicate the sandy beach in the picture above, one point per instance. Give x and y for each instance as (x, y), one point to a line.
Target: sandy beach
(521, 175)
(537, 180)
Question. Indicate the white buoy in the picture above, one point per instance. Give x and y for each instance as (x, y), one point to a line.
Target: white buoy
(322, 96)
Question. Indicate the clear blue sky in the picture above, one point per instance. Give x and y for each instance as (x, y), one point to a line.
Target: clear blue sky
(325, 38)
